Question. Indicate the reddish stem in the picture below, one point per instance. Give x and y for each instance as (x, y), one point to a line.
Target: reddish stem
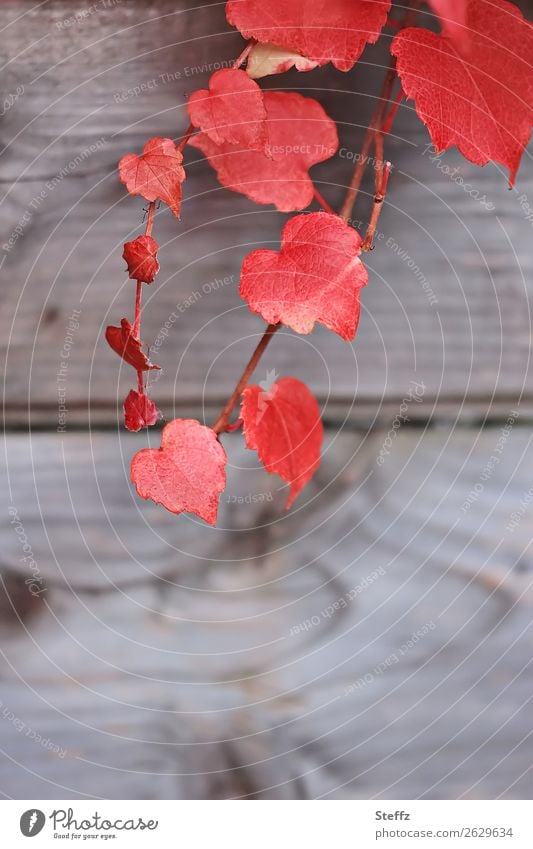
(138, 297)
(150, 219)
(323, 203)
(388, 121)
(242, 57)
(138, 306)
(222, 422)
(188, 133)
(379, 197)
(375, 122)
(380, 123)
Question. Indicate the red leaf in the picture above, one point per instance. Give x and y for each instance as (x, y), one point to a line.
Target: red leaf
(124, 344)
(265, 59)
(282, 423)
(139, 411)
(141, 258)
(300, 135)
(156, 175)
(231, 111)
(331, 31)
(316, 276)
(478, 93)
(186, 473)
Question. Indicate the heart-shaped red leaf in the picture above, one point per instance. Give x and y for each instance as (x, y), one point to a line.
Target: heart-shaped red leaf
(155, 175)
(124, 343)
(475, 92)
(232, 110)
(300, 135)
(282, 423)
(323, 30)
(141, 258)
(139, 411)
(316, 276)
(187, 473)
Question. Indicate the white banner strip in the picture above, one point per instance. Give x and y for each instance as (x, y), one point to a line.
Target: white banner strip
(269, 824)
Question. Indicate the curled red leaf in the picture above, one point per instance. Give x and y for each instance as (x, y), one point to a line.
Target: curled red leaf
(265, 59)
(141, 258)
(282, 423)
(124, 343)
(300, 134)
(139, 411)
(232, 110)
(187, 473)
(316, 276)
(155, 175)
(323, 30)
(474, 92)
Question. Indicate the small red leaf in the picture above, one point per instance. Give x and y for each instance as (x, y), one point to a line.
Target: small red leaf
(231, 111)
(316, 276)
(475, 92)
(282, 423)
(124, 344)
(187, 473)
(141, 258)
(157, 174)
(139, 411)
(300, 135)
(324, 30)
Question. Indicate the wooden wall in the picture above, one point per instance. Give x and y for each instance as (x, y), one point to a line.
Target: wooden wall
(168, 659)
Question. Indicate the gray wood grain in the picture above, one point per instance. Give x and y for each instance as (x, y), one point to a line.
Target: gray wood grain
(276, 657)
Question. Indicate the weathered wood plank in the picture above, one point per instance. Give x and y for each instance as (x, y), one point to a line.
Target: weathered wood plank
(448, 300)
(237, 676)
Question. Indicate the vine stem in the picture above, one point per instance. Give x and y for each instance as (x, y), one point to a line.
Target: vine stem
(379, 197)
(370, 136)
(138, 297)
(323, 203)
(381, 122)
(222, 423)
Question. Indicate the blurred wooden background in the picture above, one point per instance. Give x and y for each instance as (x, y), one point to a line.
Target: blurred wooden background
(166, 659)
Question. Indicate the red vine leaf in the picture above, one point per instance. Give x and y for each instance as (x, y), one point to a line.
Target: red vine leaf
(139, 411)
(232, 110)
(300, 135)
(155, 175)
(282, 423)
(265, 59)
(187, 473)
(333, 31)
(316, 276)
(124, 343)
(476, 94)
(141, 258)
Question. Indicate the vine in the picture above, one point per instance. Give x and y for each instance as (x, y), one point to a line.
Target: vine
(258, 143)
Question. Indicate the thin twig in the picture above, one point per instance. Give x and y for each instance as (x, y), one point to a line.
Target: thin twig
(323, 203)
(379, 197)
(380, 121)
(221, 423)
(136, 332)
(375, 122)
